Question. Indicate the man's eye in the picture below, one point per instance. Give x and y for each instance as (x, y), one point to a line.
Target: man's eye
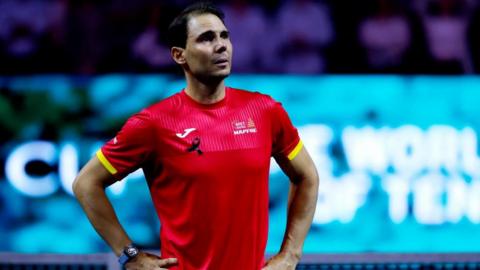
(205, 38)
(225, 35)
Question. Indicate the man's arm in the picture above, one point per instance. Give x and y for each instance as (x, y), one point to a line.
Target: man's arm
(302, 201)
(89, 188)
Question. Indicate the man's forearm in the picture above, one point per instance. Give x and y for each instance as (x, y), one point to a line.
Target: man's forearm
(100, 212)
(301, 208)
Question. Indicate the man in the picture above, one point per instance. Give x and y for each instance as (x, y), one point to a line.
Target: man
(205, 153)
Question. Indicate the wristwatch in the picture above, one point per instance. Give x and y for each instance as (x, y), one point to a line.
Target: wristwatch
(128, 253)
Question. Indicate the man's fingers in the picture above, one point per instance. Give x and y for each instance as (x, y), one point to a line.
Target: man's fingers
(168, 262)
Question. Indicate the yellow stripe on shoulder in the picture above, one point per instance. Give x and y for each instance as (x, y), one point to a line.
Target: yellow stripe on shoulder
(106, 163)
(295, 150)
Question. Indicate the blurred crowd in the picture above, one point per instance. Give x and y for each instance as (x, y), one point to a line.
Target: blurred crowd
(269, 36)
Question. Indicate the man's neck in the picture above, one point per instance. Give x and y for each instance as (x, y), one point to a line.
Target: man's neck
(205, 93)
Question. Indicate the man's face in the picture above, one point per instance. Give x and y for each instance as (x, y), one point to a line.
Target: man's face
(208, 52)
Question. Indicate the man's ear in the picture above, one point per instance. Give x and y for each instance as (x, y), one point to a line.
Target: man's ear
(178, 55)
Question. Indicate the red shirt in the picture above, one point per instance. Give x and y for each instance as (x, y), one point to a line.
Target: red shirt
(207, 168)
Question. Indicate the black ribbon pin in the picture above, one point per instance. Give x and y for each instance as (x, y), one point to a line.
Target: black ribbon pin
(195, 146)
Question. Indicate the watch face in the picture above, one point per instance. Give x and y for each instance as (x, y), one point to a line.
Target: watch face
(131, 251)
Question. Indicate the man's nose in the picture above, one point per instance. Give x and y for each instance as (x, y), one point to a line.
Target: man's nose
(220, 46)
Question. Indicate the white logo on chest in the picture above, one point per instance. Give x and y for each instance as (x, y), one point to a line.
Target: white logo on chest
(244, 127)
(186, 132)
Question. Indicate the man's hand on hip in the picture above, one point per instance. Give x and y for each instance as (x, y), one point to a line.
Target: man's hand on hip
(149, 261)
(281, 262)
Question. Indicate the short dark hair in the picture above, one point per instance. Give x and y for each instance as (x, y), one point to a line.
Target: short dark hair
(178, 29)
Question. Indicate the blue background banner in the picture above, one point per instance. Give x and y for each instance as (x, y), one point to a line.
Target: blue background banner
(397, 157)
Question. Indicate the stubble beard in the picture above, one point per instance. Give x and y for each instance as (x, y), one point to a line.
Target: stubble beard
(212, 79)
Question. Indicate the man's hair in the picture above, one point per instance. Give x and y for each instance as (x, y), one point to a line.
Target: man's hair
(178, 30)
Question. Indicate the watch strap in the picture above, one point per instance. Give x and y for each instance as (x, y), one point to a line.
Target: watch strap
(128, 253)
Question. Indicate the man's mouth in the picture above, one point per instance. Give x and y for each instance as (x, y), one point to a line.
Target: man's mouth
(221, 61)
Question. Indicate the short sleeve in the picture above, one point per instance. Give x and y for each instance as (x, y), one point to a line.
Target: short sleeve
(130, 148)
(286, 141)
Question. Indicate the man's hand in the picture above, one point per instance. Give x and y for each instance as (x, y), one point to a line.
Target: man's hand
(281, 261)
(149, 261)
